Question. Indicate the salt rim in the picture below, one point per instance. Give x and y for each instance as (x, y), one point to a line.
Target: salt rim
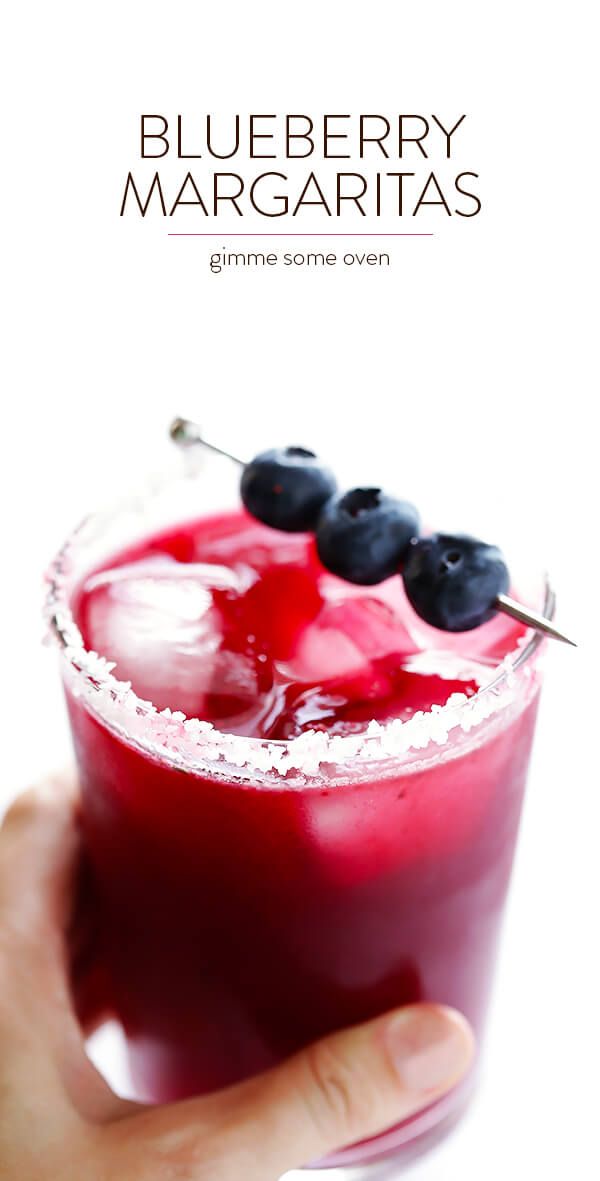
(190, 743)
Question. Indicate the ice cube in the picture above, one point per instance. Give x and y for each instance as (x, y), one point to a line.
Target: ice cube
(165, 624)
(345, 638)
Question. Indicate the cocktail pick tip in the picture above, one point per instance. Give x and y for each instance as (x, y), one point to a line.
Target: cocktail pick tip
(526, 615)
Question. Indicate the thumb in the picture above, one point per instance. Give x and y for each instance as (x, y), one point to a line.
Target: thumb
(358, 1082)
(345, 1088)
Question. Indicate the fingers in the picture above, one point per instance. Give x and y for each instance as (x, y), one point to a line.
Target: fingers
(38, 858)
(39, 855)
(41, 1044)
(346, 1088)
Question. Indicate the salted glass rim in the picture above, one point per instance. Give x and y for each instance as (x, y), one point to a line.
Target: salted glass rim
(194, 745)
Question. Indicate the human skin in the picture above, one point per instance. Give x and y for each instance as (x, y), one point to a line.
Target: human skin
(59, 1118)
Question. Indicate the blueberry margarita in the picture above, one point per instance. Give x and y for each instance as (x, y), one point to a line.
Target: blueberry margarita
(299, 796)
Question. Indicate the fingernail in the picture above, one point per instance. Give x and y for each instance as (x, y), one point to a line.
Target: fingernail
(431, 1047)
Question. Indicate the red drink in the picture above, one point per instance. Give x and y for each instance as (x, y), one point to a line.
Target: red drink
(300, 867)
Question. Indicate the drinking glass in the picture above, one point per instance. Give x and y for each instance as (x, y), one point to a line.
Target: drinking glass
(256, 895)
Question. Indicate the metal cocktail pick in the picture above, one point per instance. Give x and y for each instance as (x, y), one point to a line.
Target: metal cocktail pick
(526, 615)
(186, 433)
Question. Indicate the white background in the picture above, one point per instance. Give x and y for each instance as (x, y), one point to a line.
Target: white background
(464, 376)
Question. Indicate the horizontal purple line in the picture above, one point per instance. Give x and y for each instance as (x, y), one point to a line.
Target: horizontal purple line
(268, 234)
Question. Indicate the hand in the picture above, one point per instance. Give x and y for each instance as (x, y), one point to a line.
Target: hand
(59, 1119)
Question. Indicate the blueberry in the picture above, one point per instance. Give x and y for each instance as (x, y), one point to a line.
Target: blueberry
(362, 535)
(452, 581)
(286, 488)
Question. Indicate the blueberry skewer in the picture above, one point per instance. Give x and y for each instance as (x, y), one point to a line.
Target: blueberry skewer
(453, 582)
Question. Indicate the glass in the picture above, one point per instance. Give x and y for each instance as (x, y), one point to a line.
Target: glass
(256, 895)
